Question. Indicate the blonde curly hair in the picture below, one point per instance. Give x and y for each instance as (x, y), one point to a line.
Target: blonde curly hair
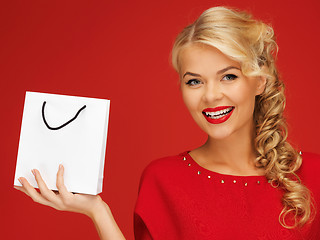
(252, 44)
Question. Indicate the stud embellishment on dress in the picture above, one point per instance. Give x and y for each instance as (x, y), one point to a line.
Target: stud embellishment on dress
(184, 158)
(258, 182)
(209, 176)
(234, 181)
(199, 172)
(189, 164)
(246, 184)
(300, 153)
(222, 181)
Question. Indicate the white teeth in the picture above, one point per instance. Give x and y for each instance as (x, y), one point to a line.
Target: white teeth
(218, 114)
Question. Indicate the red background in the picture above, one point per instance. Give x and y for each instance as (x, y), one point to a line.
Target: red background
(120, 50)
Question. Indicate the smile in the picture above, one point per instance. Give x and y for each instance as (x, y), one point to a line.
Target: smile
(218, 115)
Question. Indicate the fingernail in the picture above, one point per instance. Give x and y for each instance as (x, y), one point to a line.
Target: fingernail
(33, 172)
(19, 179)
(60, 166)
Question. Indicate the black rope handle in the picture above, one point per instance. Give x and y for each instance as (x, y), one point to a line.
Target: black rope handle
(63, 125)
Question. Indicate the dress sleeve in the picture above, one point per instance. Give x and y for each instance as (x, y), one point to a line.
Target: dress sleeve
(142, 208)
(309, 174)
(153, 210)
(141, 231)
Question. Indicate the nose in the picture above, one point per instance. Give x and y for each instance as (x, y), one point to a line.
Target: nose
(212, 92)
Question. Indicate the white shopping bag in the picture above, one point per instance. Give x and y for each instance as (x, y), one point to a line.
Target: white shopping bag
(68, 130)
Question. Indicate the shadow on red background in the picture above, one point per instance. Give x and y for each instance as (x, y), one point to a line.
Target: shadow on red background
(120, 50)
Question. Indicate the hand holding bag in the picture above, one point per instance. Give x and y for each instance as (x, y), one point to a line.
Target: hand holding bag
(68, 130)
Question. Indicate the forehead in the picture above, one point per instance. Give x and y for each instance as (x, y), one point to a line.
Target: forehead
(204, 59)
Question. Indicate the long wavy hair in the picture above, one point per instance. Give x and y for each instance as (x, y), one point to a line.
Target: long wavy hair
(252, 43)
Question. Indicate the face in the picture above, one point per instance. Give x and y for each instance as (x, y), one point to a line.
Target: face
(219, 97)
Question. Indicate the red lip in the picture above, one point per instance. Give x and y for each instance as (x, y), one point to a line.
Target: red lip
(219, 120)
(215, 109)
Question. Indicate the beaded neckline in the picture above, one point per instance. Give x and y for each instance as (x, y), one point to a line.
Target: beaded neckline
(224, 178)
(219, 177)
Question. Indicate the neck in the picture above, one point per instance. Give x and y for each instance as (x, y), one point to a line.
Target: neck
(234, 154)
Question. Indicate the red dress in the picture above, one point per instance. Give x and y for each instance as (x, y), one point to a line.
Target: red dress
(179, 199)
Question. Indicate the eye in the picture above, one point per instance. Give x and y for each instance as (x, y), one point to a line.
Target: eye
(229, 77)
(193, 82)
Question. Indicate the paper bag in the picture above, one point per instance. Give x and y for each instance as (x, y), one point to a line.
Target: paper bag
(68, 130)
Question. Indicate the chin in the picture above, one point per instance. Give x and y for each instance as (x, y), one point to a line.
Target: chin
(219, 134)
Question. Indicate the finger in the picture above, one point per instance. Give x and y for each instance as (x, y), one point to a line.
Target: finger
(30, 191)
(60, 182)
(45, 191)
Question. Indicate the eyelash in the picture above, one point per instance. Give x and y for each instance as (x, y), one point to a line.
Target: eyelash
(191, 82)
(233, 77)
(194, 82)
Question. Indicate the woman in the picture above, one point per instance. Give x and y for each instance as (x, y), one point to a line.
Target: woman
(246, 181)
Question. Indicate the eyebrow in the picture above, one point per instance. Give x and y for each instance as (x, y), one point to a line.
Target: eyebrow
(227, 68)
(219, 72)
(191, 74)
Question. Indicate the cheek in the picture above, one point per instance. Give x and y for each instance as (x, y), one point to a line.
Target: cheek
(191, 100)
(187, 99)
(244, 97)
